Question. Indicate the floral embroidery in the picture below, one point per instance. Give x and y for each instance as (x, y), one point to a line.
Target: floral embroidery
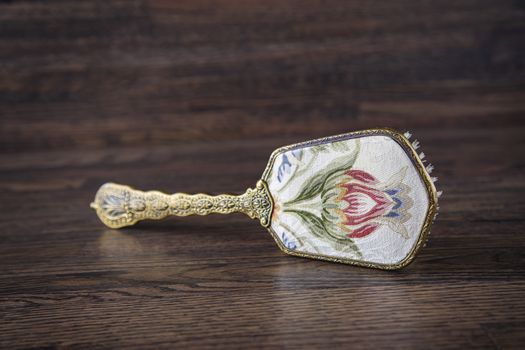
(288, 243)
(354, 203)
(284, 168)
(362, 204)
(286, 164)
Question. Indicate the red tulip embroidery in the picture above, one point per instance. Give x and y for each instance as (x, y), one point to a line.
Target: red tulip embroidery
(360, 203)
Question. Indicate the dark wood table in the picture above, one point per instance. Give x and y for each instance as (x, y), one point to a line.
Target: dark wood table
(193, 96)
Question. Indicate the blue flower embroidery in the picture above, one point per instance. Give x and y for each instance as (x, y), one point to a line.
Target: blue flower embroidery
(284, 168)
(290, 244)
(398, 203)
(286, 165)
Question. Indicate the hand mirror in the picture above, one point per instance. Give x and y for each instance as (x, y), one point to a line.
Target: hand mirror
(363, 198)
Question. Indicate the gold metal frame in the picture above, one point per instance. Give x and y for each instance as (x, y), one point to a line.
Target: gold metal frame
(120, 205)
(411, 152)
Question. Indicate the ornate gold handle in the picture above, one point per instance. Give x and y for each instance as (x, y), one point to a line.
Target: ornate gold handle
(118, 205)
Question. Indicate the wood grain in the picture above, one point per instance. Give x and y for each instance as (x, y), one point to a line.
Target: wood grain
(193, 96)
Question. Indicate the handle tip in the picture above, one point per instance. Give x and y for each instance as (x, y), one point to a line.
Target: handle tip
(112, 205)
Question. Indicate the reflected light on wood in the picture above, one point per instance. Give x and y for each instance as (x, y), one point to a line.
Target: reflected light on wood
(115, 243)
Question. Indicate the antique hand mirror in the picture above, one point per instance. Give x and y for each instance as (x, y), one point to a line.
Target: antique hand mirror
(363, 198)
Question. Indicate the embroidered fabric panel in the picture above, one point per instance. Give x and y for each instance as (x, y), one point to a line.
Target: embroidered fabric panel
(360, 199)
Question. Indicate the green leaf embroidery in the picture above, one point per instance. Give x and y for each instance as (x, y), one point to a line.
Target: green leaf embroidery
(315, 187)
(340, 146)
(324, 227)
(316, 184)
(314, 223)
(317, 228)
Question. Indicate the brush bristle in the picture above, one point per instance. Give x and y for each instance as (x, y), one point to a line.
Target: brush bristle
(429, 169)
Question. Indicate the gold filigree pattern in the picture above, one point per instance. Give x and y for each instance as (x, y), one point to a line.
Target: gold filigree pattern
(119, 206)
